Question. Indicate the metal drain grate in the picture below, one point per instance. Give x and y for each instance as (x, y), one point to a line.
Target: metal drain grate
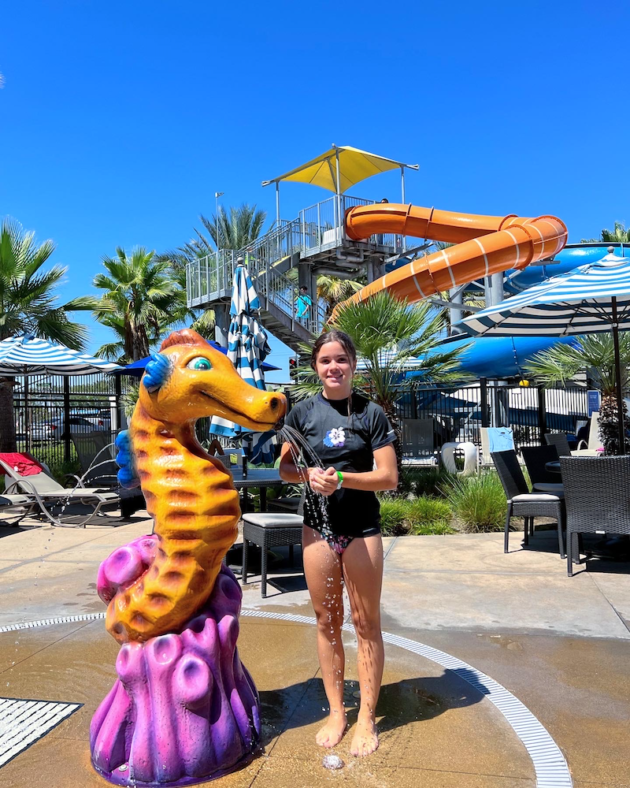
(48, 621)
(23, 722)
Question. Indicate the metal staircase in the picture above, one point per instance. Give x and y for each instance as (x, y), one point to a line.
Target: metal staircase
(315, 239)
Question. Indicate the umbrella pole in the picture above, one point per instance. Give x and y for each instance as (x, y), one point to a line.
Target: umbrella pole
(618, 379)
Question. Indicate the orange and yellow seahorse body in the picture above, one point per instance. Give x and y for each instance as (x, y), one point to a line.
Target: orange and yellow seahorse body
(189, 494)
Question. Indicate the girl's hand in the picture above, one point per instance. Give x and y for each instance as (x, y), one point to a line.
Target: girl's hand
(323, 481)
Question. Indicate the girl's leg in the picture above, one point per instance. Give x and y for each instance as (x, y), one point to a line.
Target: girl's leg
(322, 568)
(363, 572)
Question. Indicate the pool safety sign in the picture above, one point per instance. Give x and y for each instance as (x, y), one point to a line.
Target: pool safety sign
(593, 402)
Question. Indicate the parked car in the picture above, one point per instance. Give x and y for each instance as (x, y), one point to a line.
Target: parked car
(100, 417)
(54, 429)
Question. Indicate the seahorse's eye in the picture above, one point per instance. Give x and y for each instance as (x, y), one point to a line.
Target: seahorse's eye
(200, 363)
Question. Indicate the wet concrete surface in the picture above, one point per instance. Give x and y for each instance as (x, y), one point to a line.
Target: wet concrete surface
(422, 712)
(579, 688)
(561, 645)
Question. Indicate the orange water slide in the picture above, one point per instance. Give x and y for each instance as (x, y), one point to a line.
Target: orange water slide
(485, 245)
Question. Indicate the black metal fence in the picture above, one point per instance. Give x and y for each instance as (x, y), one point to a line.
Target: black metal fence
(49, 409)
(458, 413)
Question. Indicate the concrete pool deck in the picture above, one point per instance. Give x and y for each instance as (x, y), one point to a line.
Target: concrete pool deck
(559, 645)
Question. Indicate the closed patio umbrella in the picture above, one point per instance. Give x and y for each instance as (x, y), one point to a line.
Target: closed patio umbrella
(247, 349)
(593, 298)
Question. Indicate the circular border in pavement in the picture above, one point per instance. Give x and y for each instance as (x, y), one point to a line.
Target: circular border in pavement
(549, 763)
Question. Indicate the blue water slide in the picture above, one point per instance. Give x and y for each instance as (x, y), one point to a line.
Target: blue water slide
(505, 357)
(495, 357)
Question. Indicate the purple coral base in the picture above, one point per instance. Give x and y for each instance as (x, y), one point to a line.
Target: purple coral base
(184, 709)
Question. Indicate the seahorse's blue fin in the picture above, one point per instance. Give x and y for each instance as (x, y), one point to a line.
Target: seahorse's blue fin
(127, 476)
(156, 372)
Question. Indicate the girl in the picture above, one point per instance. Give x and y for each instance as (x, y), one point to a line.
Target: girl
(341, 539)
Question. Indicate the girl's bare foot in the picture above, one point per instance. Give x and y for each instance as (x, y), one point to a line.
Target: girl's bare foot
(332, 732)
(365, 739)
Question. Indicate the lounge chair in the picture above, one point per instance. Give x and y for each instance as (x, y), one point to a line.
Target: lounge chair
(24, 505)
(419, 437)
(561, 442)
(589, 449)
(48, 494)
(494, 439)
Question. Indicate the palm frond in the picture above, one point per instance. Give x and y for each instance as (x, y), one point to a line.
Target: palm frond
(387, 333)
(593, 354)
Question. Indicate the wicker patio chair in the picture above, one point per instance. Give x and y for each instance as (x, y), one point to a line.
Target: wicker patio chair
(522, 503)
(269, 530)
(597, 491)
(536, 458)
(560, 441)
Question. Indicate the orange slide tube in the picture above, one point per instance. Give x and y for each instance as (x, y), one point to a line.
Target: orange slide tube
(485, 245)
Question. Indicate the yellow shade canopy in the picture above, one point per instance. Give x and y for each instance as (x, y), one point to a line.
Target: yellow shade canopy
(354, 166)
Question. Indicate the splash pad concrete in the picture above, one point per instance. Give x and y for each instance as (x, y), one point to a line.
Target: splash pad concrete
(424, 710)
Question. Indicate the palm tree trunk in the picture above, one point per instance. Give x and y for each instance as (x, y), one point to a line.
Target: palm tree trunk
(609, 425)
(7, 416)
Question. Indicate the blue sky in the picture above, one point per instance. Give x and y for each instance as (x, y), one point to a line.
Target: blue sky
(119, 120)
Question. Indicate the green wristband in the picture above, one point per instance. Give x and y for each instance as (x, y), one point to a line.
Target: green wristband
(340, 477)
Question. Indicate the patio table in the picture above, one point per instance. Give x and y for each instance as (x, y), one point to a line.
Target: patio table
(256, 477)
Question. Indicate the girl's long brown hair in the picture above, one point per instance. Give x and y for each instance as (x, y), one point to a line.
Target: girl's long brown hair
(334, 335)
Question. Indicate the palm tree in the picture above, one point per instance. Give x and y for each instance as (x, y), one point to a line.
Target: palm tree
(387, 334)
(332, 291)
(140, 303)
(28, 305)
(237, 230)
(595, 355)
(619, 235)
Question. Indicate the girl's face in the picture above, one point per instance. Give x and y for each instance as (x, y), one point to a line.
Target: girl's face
(335, 369)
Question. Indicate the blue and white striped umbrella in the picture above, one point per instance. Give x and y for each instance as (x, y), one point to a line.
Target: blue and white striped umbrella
(579, 302)
(247, 348)
(590, 299)
(28, 355)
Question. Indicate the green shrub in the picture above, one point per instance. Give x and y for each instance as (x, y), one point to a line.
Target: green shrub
(425, 481)
(393, 516)
(433, 529)
(429, 515)
(422, 516)
(478, 502)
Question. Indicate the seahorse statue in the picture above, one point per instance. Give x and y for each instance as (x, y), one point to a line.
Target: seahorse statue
(184, 708)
